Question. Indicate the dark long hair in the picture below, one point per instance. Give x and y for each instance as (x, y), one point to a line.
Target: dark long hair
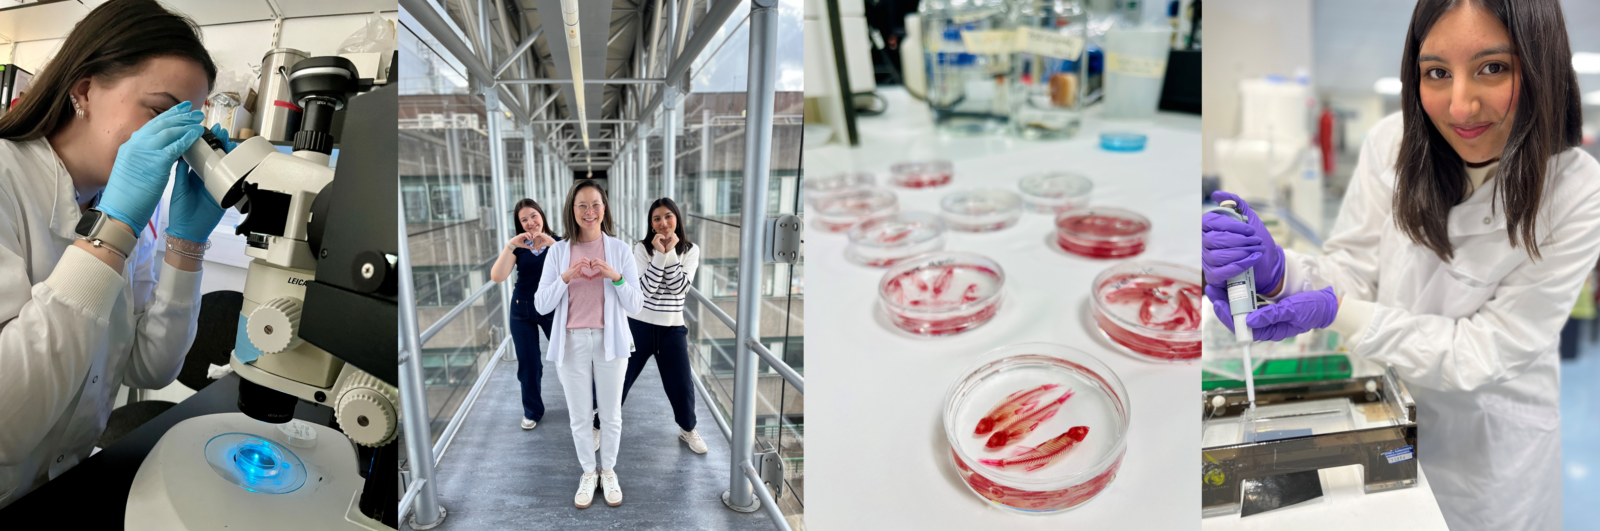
(683, 239)
(569, 216)
(114, 40)
(1430, 177)
(516, 212)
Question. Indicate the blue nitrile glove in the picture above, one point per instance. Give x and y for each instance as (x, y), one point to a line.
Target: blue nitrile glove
(194, 212)
(1294, 315)
(1228, 247)
(143, 163)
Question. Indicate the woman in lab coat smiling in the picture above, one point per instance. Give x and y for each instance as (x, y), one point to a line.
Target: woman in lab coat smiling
(84, 305)
(1467, 231)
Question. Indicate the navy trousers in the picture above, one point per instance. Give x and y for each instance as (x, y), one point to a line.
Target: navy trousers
(530, 366)
(670, 346)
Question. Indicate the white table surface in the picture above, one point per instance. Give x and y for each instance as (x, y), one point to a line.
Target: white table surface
(1343, 507)
(876, 451)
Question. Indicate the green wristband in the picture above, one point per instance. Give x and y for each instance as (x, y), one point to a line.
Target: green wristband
(618, 282)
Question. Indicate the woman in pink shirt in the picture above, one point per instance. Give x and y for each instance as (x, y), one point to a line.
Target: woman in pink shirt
(590, 284)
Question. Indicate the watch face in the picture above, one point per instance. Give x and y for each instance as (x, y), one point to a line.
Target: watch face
(87, 222)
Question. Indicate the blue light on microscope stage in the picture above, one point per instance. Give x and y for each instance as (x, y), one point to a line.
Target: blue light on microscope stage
(255, 464)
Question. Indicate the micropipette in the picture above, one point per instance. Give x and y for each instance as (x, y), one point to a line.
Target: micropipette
(1242, 301)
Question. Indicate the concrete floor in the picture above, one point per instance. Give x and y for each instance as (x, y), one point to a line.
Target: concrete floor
(1580, 436)
(497, 476)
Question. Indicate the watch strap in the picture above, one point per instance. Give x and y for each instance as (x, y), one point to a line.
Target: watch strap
(114, 236)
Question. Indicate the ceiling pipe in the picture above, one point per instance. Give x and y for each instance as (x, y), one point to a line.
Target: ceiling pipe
(569, 16)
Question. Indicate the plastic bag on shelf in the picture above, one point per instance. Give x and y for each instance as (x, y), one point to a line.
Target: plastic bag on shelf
(376, 35)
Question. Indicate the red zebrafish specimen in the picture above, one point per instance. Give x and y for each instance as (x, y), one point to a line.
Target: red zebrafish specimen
(1044, 454)
(1026, 423)
(1018, 403)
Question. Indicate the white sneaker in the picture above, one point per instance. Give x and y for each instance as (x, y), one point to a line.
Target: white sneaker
(596, 440)
(529, 424)
(608, 481)
(696, 444)
(586, 490)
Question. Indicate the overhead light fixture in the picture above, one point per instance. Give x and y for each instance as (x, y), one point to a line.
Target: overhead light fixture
(1387, 86)
(569, 16)
(1586, 62)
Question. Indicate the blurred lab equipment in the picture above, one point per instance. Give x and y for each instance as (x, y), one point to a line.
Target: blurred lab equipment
(1047, 78)
(1136, 63)
(1272, 164)
(968, 45)
(277, 117)
(14, 83)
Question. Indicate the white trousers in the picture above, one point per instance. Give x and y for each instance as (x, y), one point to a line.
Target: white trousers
(585, 362)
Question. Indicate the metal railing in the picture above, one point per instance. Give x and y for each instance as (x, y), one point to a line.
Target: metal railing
(455, 312)
(783, 369)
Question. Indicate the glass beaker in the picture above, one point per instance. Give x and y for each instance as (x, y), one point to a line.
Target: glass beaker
(968, 45)
(1048, 68)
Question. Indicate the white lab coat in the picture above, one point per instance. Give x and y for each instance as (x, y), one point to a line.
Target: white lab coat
(71, 329)
(1475, 339)
(621, 301)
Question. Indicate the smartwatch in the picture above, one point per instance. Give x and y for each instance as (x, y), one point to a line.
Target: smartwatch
(95, 226)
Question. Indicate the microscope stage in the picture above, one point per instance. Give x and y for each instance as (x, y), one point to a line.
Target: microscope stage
(195, 479)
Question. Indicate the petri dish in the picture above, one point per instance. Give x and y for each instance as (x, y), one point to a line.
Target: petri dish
(1053, 192)
(880, 242)
(1102, 232)
(922, 173)
(820, 187)
(981, 210)
(255, 463)
(1003, 475)
(1118, 141)
(942, 293)
(1149, 309)
(840, 211)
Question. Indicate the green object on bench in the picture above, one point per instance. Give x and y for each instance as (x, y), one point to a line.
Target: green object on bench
(1331, 367)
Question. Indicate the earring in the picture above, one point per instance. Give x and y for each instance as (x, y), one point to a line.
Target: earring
(76, 107)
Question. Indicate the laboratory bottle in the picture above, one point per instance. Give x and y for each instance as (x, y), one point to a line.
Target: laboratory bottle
(968, 45)
(1048, 68)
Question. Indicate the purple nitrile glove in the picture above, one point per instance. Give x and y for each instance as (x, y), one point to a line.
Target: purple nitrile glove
(1229, 246)
(1294, 315)
(1219, 305)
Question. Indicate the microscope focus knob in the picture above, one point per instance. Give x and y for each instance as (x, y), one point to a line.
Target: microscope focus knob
(367, 410)
(275, 326)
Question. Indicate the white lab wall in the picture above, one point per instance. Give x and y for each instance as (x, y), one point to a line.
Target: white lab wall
(237, 47)
(1261, 37)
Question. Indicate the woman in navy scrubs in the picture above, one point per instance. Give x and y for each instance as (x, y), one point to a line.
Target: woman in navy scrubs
(527, 251)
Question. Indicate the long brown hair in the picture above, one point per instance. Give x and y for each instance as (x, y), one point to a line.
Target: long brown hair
(570, 215)
(114, 40)
(516, 212)
(683, 239)
(1430, 178)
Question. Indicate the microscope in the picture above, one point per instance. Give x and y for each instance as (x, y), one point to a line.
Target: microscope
(317, 325)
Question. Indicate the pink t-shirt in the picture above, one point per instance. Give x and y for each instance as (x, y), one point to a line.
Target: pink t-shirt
(586, 293)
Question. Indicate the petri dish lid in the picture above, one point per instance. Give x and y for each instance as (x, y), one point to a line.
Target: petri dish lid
(858, 202)
(921, 167)
(1120, 141)
(981, 202)
(838, 182)
(906, 229)
(1102, 224)
(1056, 185)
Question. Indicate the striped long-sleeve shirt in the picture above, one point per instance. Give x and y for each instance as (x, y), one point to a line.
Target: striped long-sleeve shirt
(665, 281)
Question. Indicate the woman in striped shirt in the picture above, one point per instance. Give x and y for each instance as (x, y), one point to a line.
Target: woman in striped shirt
(666, 260)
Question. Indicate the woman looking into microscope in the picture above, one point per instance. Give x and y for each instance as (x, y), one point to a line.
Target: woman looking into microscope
(88, 302)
